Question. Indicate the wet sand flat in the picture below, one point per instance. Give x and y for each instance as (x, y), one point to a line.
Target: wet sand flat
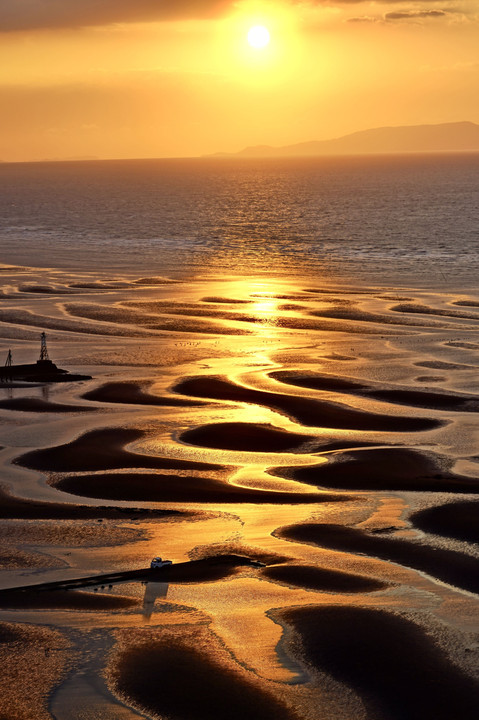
(284, 445)
(25, 694)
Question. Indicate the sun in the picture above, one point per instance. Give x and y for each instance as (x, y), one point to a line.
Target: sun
(258, 36)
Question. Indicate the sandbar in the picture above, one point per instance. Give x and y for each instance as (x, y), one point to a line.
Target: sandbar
(384, 468)
(144, 487)
(103, 450)
(459, 520)
(449, 566)
(307, 411)
(314, 577)
(397, 670)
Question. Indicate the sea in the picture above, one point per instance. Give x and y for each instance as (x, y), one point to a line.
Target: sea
(382, 220)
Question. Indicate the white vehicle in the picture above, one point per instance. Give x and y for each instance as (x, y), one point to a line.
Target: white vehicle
(159, 563)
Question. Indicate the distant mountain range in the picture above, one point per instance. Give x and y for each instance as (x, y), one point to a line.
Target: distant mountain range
(446, 137)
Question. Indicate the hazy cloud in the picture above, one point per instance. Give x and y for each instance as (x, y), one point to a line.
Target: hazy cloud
(399, 15)
(365, 19)
(412, 14)
(18, 15)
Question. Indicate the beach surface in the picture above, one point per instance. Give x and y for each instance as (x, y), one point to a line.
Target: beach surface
(305, 451)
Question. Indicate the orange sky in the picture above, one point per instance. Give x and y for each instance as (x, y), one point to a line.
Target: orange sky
(167, 78)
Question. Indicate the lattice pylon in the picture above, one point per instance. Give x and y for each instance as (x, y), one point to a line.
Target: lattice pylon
(43, 348)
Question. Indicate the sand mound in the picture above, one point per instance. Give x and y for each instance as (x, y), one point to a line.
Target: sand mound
(132, 393)
(72, 600)
(250, 437)
(449, 566)
(194, 684)
(306, 411)
(457, 520)
(387, 468)
(38, 405)
(103, 450)
(13, 507)
(400, 396)
(391, 663)
(312, 577)
(141, 487)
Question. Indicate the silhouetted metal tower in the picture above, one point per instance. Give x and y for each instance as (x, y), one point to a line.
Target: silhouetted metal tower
(8, 362)
(43, 349)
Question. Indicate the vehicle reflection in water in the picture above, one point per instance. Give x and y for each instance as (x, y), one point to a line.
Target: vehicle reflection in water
(153, 590)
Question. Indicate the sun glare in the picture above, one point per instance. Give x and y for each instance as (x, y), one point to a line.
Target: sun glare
(258, 36)
(258, 43)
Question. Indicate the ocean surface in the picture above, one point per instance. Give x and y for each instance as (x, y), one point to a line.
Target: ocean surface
(400, 220)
